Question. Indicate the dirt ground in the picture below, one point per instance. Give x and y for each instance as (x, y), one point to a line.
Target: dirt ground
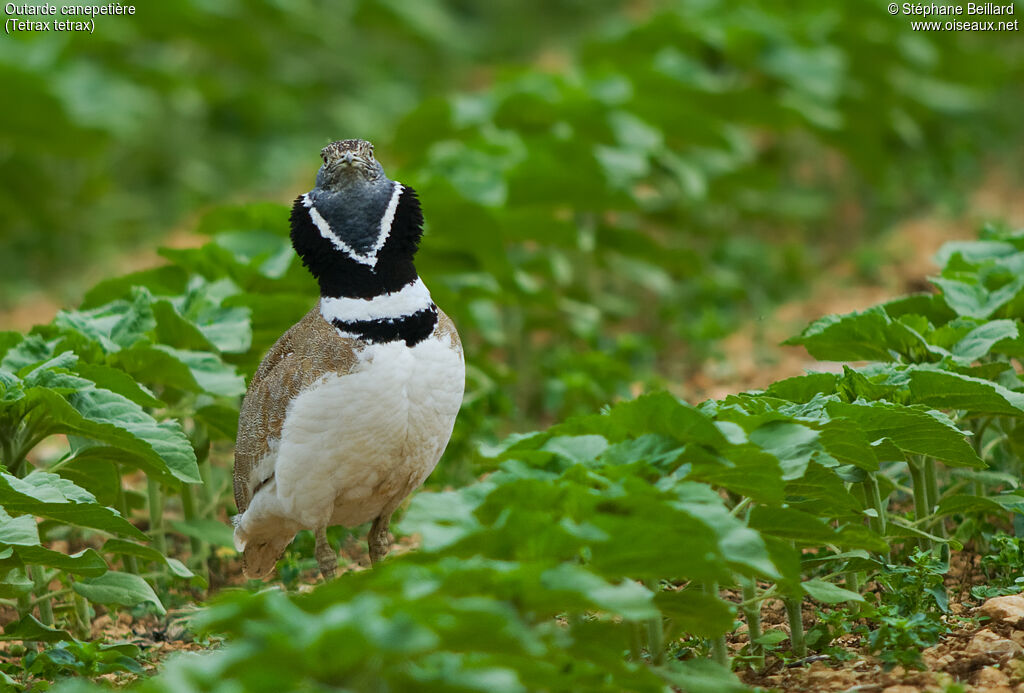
(984, 654)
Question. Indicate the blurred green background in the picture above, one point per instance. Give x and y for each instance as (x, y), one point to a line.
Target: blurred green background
(610, 187)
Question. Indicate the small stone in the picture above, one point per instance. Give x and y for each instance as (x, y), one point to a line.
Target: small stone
(992, 681)
(985, 643)
(1008, 609)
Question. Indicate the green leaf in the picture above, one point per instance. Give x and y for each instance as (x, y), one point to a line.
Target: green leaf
(113, 587)
(946, 390)
(15, 583)
(803, 388)
(870, 335)
(58, 401)
(627, 599)
(18, 531)
(162, 281)
(972, 299)
(87, 563)
(791, 443)
(210, 531)
(658, 412)
(827, 593)
(978, 342)
(158, 447)
(47, 495)
(701, 676)
(30, 629)
(845, 441)
(962, 503)
(195, 371)
(146, 553)
(695, 611)
(913, 430)
(119, 382)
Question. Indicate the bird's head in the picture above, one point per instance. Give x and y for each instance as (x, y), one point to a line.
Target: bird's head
(348, 164)
(357, 230)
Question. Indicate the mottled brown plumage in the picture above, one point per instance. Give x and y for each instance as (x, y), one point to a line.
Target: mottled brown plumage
(302, 356)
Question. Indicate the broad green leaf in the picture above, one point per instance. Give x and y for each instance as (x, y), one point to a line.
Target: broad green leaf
(978, 342)
(913, 430)
(15, 583)
(30, 629)
(695, 611)
(211, 531)
(87, 563)
(791, 443)
(744, 469)
(119, 382)
(870, 335)
(658, 412)
(195, 371)
(973, 299)
(803, 388)
(442, 519)
(827, 593)
(18, 531)
(966, 504)
(946, 390)
(146, 553)
(113, 587)
(701, 676)
(47, 495)
(106, 417)
(161, 281)
(846, 442)
(626, 599)
(973, 251)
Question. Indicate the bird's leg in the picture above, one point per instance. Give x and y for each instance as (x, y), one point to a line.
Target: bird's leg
(378, 539)
(325, 556)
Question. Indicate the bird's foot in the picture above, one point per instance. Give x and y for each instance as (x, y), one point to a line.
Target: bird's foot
(378, 539)
(325, 556)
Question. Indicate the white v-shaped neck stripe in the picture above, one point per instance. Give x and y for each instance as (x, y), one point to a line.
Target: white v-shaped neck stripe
(368, 258)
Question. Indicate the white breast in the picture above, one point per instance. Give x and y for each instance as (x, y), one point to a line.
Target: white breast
(353, 446)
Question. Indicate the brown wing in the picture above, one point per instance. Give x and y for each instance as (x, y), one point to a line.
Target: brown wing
(303, 355)
(446, 328)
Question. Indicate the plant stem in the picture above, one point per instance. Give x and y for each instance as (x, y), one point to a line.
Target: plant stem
(39, 579)
(752, 613)
(188, 507)
(719, 649)
(655, 631)
(740, 507)
(83, 619)
(636, 650)
(932, 485)
(876, 500)
(796, 625)
(853, 584)
(156, 515)
(24, 603)
(920, 496)
(130, 564)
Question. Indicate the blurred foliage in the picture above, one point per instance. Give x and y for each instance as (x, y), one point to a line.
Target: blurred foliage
(117, 133)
